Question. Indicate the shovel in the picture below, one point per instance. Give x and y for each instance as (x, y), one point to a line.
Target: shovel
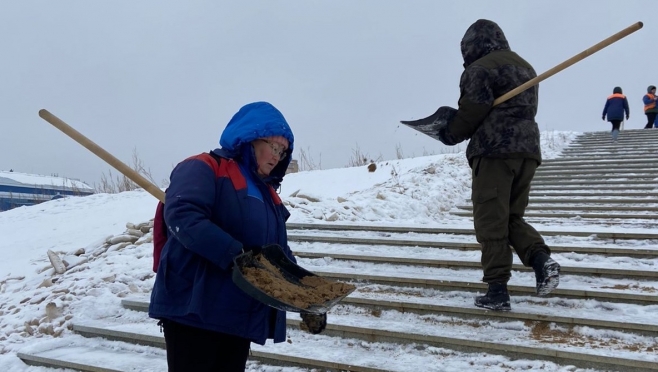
(292, 273)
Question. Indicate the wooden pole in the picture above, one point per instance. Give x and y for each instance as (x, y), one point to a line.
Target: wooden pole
(578, 57)
(101, 153)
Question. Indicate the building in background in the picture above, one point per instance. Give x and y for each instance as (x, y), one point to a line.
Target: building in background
(293, 167)
(19, 189)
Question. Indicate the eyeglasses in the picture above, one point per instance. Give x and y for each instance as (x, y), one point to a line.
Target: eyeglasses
(277, 149)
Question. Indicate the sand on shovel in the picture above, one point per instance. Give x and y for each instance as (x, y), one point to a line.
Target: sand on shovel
(314, 291)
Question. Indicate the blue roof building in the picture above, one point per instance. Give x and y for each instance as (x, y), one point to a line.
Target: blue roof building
(19, 189)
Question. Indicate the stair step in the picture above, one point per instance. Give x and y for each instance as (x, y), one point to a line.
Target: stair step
(82, 355)
(338, 340)
(595, 193)
(579, 188)
(573, 214)
(475, 264)
(444, 283)
(592, 159)
(123, 357)
(631, 167)
(463, 307)
(620, 145)
(621, 157)
(302, 350)
(576, 200)
(602, 233)
(644, 252)
(607, 139)
(610, 146)
(601, 177)
(605, 172)
(600, 161)
(546, 206)
(630, 183)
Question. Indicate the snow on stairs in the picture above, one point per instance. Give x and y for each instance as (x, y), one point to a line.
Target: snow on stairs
(372, 339)
(139, 347)
(77, 354)
(427, 317)
(596, 180)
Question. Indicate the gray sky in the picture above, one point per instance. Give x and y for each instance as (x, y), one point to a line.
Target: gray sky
(165, 77)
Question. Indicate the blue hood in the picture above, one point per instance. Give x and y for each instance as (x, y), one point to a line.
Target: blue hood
(253, 121)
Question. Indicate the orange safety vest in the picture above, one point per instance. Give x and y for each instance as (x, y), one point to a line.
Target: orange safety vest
(652, 104)
(616, 95)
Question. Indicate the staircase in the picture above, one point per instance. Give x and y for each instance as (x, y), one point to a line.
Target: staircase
(413, 307)
(596, 181)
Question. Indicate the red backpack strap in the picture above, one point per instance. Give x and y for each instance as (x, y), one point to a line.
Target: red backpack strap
(213, 163)
(223, 167)
(232, 170)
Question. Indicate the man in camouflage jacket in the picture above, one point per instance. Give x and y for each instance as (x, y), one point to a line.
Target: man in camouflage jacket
(503, 153)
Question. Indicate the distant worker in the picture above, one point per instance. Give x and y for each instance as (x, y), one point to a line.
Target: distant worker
(650, 107)
(615, 107)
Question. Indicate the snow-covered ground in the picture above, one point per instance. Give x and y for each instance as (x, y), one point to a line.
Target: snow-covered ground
(35, 308)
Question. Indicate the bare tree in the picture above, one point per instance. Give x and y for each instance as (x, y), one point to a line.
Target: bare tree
(358, 158)
(306, 161)
(398, 151)
(112, 184)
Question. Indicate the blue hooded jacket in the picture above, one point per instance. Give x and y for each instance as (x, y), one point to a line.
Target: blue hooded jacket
(616, 106)
(210, 218)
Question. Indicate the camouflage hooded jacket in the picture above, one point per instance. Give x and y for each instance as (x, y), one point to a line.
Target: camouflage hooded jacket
(508, 130)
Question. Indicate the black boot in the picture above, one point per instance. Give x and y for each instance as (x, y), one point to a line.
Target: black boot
(496, 298)
(547, 273)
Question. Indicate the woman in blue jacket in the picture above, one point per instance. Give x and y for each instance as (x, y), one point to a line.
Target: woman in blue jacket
(217, 206)
(615, 107)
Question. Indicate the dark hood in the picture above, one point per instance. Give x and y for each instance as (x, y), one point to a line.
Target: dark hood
(482, 38)
(617, 90)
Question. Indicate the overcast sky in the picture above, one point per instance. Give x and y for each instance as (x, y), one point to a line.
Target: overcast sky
(165, 77)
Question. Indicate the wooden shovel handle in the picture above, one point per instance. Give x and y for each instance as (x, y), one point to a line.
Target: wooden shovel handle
(101, 153)
(578, 57)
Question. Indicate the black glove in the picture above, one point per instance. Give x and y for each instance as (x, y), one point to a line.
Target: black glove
(442, 133)
(314, 323)
(443, 117)
(626, 117)
(255, 249)
(603, 117)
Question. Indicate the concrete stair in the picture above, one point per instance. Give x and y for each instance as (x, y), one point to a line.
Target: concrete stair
(450, 299)
(594, 179)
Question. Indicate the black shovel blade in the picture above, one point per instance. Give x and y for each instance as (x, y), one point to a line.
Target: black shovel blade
(292, 272)
(426, 125)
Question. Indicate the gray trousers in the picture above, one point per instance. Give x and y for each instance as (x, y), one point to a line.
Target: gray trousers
(500, 192)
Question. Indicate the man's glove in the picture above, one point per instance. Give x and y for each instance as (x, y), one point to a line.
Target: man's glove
(626, 117)
(443, 117)
(603, 117)
(442, 133)
(314, 323)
